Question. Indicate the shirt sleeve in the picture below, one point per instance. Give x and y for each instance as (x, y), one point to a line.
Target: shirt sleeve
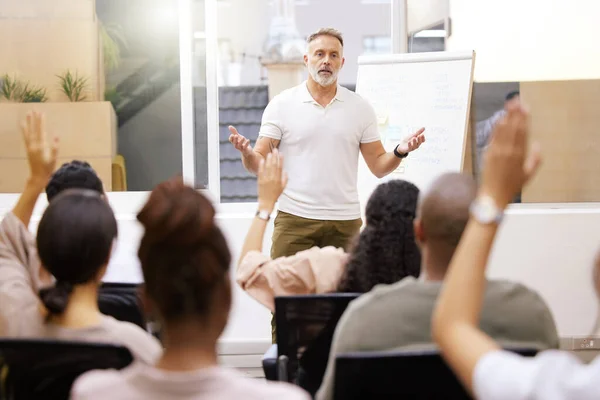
(371, 132)
(309, 271)
(19, 270)
(271, 125)
(551, 375)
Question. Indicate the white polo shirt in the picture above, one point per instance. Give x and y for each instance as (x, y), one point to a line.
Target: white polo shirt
(321, 147)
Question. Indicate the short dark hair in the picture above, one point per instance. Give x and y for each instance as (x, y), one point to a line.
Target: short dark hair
(184, 255)
(386, 250)
(73, 175)
(74, 240)
(512, 95)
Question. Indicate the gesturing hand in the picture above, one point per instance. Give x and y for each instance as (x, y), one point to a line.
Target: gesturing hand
(41, 149)
(239, 142)
(412, 142)
(271, 180)
(508, 164)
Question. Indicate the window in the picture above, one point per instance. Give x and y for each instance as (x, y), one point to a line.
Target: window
(377, 45)
(127, 120)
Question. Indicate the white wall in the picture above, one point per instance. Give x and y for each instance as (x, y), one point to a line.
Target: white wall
(528, 40)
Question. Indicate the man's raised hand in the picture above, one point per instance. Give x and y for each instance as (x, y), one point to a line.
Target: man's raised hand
(412, 142)
(239, 142)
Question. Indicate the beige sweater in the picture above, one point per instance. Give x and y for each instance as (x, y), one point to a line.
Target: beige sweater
(139, 381)
(312, 271)
(20, 307)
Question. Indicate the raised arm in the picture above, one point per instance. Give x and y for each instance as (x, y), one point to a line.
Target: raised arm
(380, 162)
(271, 182)
(41, 154)
(455, 327)
(20, 273)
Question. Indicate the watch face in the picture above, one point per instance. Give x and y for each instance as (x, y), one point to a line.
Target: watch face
(263, 215)
(485, 211)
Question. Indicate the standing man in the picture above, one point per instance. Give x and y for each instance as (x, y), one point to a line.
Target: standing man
(319, 127)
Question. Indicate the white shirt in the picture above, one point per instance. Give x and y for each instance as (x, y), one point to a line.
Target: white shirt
(320, 146)
(551, 375)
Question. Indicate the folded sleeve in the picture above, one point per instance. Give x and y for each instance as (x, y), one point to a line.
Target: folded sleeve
(310, 271)
(272, 124)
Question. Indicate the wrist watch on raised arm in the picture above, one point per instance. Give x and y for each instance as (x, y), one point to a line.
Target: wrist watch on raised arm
(263, 214)
(485, 211)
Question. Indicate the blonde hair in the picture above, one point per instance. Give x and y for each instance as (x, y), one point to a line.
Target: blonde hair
(326, 32)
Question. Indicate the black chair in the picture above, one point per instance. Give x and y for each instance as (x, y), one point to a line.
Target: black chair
(46, 369)
(305, 327)
(121, 301)
(409, 374)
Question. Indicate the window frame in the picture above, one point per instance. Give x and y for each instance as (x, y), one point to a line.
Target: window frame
(127, 204)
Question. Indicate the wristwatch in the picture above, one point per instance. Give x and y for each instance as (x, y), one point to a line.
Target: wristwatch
(263, 214)
(399, 155)
(485, 210)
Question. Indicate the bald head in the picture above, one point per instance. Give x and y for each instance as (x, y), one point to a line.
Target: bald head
(442, 214)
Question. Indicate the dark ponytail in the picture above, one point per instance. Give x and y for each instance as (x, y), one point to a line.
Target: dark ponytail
(56, 298)
(74, 240)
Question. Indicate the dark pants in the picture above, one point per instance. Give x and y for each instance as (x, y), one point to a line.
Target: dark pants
(293, 234)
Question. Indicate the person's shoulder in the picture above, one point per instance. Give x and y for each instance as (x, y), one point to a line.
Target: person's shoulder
(251, 389)
(289, 94)
(97, 384)
(507, 288)
(353, 96)
(142, 344)
(383, 293)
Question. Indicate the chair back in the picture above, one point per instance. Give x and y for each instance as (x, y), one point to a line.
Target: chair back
(121, 301)
(305, 326)
(409, 374)
(44, 368)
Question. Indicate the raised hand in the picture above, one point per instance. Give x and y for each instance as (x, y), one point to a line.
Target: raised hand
(508, 163)
(271, 180)
(41, 148)
(239, 142)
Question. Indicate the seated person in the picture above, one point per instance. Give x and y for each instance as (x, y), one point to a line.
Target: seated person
(384, 252)
(475, 355)
(399, 315)
(74, 241)
(73, 175)
(185, 261)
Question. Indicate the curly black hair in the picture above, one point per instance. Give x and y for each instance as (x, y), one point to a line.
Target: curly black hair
(74, 175)
(385, 251)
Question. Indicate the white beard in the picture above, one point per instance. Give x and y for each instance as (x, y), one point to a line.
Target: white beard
(321, 79)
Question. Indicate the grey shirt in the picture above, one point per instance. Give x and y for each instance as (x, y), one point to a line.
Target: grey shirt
(399, 316)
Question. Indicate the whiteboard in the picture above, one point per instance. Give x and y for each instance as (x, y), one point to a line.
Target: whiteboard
(410, 91)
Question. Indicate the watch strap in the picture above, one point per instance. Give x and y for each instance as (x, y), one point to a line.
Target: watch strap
(398, 154)
(264, 215)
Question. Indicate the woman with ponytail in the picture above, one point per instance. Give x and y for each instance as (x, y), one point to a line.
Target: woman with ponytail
(56, 295)
(185, 261)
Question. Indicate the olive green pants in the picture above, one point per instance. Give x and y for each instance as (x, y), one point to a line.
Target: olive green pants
(293, 234)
